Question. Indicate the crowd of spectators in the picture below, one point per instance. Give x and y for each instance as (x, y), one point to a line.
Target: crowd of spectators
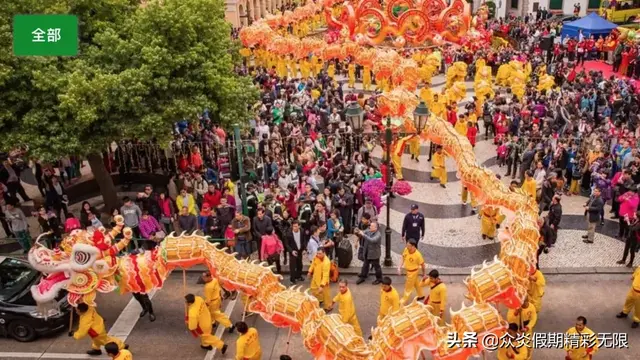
(307, 163)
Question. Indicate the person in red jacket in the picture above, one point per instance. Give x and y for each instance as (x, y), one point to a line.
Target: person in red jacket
(452, 115)
(472, 131)
(212, 196)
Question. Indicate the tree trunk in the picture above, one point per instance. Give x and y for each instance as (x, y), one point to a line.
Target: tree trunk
(103, 178)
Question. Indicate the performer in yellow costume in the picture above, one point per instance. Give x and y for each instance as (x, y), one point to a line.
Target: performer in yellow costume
(366, 78)
(331, 70)
(346, 307)
(389, 299)
(291, 67)
(439, 170)
(92, 324)
(352, 75)
(281, 67)
(248, 343)
(116, 353)
(438, 107)
(632, 303)
(529, 185)
(305, 69)
(580, 341)
(511, 350)
(526, 318)
(199, 323)
(461, 125)
(537, 283)
(319, 274)
(489, 216)
(317, 65)
(466, 194)
(437, 298)
(312, 65)
(213, 298)
(414, 148)
(412, 261)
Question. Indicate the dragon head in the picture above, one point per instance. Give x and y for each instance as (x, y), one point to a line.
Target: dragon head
(82, 264)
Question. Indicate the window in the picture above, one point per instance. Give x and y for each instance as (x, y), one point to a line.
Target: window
(594, 4)
(514, 4)
(15, 277)
(555, 4)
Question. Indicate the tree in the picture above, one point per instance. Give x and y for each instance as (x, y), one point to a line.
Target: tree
(140, 69)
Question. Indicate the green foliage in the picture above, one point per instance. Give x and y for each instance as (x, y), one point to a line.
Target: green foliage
(139, 70)
(492, 9)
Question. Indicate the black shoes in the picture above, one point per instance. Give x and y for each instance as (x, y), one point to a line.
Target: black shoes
(621, 262)
(621, 315)
(634, 325)
(224, 349)
(231, 329)
(376, 282)
(152, 317)
(360, 281)
(94, 352)
(209, 348)
(143, 313)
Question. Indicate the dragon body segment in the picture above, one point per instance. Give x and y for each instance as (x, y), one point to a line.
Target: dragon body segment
(87, 263)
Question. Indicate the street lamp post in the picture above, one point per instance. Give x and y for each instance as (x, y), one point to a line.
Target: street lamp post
(355, 115)
(420, 116)
(388, 138)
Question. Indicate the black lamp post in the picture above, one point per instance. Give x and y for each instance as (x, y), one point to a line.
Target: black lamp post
(420, 117)
(355, 115)
(388, 139)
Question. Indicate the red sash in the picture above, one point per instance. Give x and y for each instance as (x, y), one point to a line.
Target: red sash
(92, 333)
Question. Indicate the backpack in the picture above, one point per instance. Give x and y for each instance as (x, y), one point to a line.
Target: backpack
(334, 273)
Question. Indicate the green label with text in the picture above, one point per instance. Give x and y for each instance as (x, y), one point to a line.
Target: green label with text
(45, 35)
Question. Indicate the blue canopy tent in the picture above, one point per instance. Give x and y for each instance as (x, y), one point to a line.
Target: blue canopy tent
(592, 24)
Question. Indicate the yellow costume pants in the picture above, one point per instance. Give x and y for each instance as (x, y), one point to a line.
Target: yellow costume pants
(536, 302)
(366, 82)
(632, 303)
(353, 321)
(467, 194)
(488, 226)
(217, 315)
(352, 80)
(441, 174)
(414, 147)
(208, 339)
(413, 282)
(575, 187)
(323, 295)
(396, 160)
(103, 339)
(435, 310)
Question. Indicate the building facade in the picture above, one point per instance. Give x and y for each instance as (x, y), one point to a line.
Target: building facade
(243, 12)
(564, 7)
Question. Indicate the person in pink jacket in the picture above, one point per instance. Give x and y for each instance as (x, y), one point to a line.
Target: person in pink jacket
(628, 206)
(271, 248)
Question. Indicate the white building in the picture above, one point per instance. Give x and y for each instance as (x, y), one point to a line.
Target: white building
(523, 7)
(243, 12)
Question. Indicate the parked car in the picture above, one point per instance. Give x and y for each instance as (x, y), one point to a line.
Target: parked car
(19, 315)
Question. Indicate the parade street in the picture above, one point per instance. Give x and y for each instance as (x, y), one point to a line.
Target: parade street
(598, 297)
